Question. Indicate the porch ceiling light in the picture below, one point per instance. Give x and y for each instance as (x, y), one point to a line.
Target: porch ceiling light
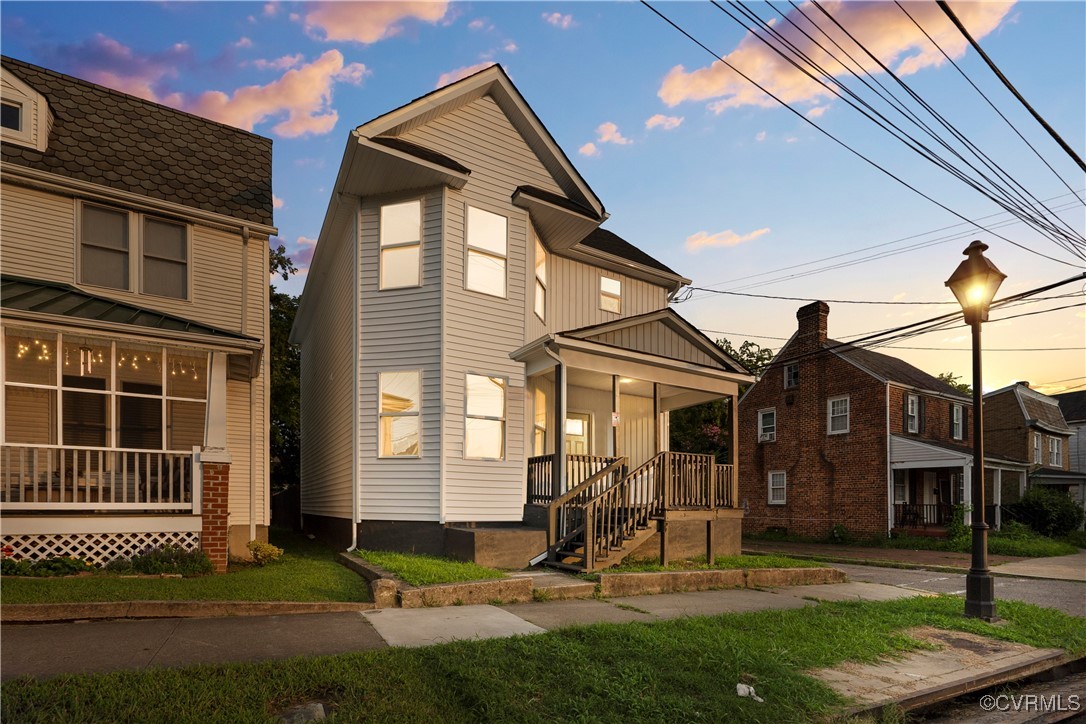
(975, 282)
(626, 380)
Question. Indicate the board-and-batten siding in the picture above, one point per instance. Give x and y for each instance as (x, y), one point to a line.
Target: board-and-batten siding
(38, 231)
(400, 330)
(327, 388)
(658, 339)
(481, 330)
(574, 296)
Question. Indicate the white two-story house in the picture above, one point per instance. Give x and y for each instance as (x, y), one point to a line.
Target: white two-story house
(134, 294)
(478, 354)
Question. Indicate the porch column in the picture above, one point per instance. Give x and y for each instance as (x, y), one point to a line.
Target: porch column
(733, 449)
(215, 470)
(615, 417)
(967, 492)
(558, 464)
(997, 496)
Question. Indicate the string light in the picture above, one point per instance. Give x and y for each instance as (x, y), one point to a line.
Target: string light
(90, 354)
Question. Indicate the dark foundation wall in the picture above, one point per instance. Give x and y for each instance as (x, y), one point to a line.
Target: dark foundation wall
(402, 536)
(335, 532)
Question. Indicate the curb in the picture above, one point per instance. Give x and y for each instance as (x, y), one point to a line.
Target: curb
(657, 582)
(61, 612)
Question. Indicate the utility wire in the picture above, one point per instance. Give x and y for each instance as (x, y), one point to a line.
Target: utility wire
(855, 301)
(999, 74)
(836, 140)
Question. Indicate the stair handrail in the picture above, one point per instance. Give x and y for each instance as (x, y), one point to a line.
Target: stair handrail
(555, 505)
(608, 531)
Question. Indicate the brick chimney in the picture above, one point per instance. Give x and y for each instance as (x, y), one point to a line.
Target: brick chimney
(812, 327)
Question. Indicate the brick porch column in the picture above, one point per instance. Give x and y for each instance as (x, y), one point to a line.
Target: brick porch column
(214, 528)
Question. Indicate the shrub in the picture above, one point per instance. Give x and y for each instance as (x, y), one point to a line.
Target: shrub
(45, 568)
(167, 559)
(1076, 538)
(263, 553)
(1048, 512)
(840, 534)
(957, 530)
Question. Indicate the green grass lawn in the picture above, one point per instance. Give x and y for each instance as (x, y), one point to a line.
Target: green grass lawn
(646, 565)
(307, 571)
(422, 570)
(676, 671)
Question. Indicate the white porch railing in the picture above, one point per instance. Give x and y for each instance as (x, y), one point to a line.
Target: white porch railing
(63, 477)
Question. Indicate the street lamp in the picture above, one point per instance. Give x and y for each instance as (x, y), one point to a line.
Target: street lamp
(974, 284)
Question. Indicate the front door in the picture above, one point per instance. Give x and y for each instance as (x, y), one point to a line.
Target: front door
(578, 431)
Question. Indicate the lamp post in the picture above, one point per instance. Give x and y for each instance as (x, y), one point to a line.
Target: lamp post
(974, 284)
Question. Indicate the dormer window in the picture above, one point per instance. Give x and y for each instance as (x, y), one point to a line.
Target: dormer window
(11, 116)
(25, 118)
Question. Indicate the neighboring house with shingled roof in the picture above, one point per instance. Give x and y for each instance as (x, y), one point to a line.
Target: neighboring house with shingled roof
(134, 292)
(1073, 406)
(836, 435)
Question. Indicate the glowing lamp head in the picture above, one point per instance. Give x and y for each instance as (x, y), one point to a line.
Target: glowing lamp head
(975, 283)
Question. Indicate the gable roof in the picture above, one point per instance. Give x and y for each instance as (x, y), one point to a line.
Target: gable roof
(42, 297)
(1073, 405)
(611, 243)
(892, 369)
(116, 140)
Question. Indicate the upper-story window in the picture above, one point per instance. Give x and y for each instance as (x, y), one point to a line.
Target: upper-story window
(791, 375)
(487, 245)
(1055, 451)
(25, 118)
(401, 244)
(610, 294)
(1037, 459)
(912, 413)
(11, 116)
(767, 425)
(837, 415)
(106, 242)
(401, 395)
(957, 421)
(540, 279)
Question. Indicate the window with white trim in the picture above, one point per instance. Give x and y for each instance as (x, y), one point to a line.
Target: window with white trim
(956, 422)
(791, 376)
(901, 488)
(1055, 452)
(484, 417)
(837, 415)
(11, 116)
(165, 259)
(107, 239)
(610, 294)
(540, 279)
(398, 428)
(487, 248)
(767, 425)
(104, 241)
(778, 484)
(401, 244)
(912, 413)
(539, 425)
(1037, 459)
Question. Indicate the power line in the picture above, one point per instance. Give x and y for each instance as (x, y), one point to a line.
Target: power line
(928, 349)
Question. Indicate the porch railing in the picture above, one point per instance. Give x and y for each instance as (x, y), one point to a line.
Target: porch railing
(578, 469)
(922, 515)
(61, 477)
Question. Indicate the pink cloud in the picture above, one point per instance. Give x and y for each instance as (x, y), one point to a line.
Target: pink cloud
(243, 42)
(303, 95)
(608, 133)
(368, 22)
(283, 63)
(277, 203)
(589, 149)
(480, 24)
(460, 73)
(302, 256)
(702, 239)
(271, 9)
(105, 61)
(558, 20)
(668, 123)
(881, 26)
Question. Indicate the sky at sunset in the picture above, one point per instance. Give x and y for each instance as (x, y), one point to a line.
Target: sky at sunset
(695, 165)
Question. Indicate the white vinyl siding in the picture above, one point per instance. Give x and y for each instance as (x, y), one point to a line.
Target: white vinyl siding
(767, 425)
(401, 239)
(611, 294)
(837, 415)
(656, 338)
(778, 487)
(574, 291)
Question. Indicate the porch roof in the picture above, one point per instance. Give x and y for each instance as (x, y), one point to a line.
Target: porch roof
(1054, 476)
(61, 300)
(908, 452)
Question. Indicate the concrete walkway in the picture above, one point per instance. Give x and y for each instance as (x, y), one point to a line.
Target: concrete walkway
(1063, 568)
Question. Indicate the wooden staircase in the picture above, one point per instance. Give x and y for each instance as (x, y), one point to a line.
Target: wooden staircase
(612, 513)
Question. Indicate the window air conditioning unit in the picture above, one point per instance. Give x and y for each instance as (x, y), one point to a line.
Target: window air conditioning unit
(767, 437)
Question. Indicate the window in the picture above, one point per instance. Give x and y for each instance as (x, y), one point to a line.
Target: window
(957, 425)
(778, 482)
(11, 116)
(791, 375)
(109, 394)
(399, 414)
(912, 413)
(539, 426)
(165, 259)
(837, 415)
(767, 425)
(1037, 459)
(104, 247)
(487, 244)
(484, 419)
(610, 295)
(401, 244)
(540, 279)
(1055, 452)
(901, 488)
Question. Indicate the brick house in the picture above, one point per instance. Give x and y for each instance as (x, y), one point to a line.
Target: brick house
(1023, 424)
(832, 434)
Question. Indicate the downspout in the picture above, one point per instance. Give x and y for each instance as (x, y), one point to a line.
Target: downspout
(558, 473)
(889, 470)
(355, 477)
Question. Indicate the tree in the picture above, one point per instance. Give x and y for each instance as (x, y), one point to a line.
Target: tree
(285, 373)
(706, 429)
(952, 379)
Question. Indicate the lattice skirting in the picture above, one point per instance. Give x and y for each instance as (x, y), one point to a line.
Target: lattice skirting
(98, 548)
